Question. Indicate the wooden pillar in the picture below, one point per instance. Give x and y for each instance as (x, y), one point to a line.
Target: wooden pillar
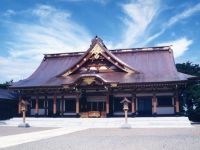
(136, 105)
(46, 105)
(77, 104)
(154, 103)
(19, 105)
(62, 105)
(54, 104)
(177, 110)
(133, 104)
(107, 104)
(36, 106)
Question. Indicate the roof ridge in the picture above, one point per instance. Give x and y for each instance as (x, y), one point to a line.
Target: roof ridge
(142, 49)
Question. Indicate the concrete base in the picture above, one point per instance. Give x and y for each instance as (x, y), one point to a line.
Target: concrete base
(23, 125)
(126, 126)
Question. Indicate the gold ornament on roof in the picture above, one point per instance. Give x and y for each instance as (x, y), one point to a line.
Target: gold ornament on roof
(113, 84)
(67, 73)
(89, 80)
(97, 50)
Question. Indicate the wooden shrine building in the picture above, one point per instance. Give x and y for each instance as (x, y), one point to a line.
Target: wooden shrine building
(93, 83)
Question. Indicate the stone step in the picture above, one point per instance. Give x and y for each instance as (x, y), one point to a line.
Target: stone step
(142, 122)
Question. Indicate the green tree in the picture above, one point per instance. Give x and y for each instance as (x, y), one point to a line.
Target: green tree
(193, 91)
(6, 84)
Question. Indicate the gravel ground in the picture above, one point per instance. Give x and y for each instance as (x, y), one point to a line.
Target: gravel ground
(5, 130)
(121, 139)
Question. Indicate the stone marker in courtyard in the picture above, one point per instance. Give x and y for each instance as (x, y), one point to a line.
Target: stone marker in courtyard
(125, 102)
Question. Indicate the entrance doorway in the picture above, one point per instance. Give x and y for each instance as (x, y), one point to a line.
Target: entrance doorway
(144, 106)
(96, 106)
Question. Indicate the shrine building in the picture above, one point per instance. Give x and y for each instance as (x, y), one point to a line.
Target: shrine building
(94, 82)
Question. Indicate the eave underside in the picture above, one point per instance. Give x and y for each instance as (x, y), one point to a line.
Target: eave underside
(105, 88)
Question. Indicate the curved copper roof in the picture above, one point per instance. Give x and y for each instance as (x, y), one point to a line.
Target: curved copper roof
(154, 64)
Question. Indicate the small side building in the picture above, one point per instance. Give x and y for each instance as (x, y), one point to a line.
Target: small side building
(8, 104)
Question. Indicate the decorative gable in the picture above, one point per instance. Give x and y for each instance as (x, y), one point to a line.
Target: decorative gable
(98, 59)
(97, 50)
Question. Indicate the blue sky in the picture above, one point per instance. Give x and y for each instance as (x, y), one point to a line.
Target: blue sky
(30, 28)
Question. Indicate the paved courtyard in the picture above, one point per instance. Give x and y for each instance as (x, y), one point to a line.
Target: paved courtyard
(120, 139)
(5, 131)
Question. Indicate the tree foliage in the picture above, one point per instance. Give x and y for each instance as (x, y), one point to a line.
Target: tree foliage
(6, 84)
(189, 68)
(193, 90)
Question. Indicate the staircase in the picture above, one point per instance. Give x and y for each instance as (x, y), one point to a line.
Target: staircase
(138, 122)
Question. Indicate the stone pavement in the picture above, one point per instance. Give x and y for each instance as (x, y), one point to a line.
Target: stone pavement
(10, 130)
(120, 139)
(70, 125)
(12, 140)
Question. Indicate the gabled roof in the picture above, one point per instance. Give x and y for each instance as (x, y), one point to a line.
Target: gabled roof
(7, 95)
(145, 65)
(97, 49)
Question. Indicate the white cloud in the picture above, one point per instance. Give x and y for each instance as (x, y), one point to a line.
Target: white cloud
(52, 32)
(9, 13)
(97, 1)
(139, 16)
(48, 11)
(179, 46)
(185, 14)
(175, 19)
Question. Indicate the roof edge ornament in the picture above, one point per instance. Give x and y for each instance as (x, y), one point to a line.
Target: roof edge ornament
(97, 39)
